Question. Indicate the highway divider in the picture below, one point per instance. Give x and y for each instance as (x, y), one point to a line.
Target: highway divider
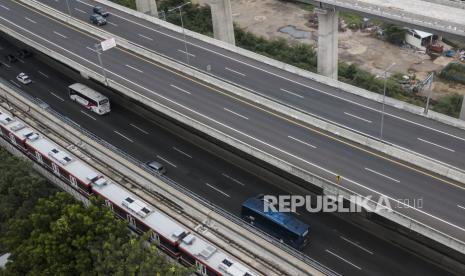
(327, 185)
(397, 152)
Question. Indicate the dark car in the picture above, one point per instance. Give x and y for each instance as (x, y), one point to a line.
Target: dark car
(23, 53)
(11, 58)
(98, 20)
(101, 11)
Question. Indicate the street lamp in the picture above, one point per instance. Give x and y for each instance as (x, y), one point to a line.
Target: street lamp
(69, 8)
(384, 98)
(98, 50)
(182, 26)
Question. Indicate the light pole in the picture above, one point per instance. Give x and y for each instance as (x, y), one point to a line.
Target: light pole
(182, 26)
(69, 8)
(384, 98)
(98, 48)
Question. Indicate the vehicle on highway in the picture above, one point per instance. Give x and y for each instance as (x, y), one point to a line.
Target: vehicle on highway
(23, 78)
(23, 53)
(157, 166)
(101, 11)
(89, 98)
(283, 226)
(97, 19)
(11, 58)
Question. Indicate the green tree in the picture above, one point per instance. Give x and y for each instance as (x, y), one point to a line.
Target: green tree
(394, 34)
(20, 188)
(63, 237)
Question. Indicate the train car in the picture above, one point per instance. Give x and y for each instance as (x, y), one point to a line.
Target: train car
(15, 131)
(166, 233)
(170, 236)
(208, 260)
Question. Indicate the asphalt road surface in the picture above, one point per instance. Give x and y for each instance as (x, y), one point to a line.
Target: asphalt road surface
(416, 133)
(363, 171)
(337, 244)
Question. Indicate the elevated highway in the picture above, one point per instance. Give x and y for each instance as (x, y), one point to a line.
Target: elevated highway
(197, 163)
(298, 146)
(435, 140)
(435, 16)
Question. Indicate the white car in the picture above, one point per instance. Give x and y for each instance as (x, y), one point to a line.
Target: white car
(23, 78)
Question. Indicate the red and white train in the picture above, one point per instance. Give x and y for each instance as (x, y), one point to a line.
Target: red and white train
(173, 238)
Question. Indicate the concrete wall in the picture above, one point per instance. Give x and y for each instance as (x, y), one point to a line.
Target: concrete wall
(148, 7)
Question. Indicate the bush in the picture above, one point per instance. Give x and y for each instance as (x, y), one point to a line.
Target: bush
(394, 34)
(450, 105)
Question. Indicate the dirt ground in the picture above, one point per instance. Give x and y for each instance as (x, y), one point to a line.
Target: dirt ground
(275, 18)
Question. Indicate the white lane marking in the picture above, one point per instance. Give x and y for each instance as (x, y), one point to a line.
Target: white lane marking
(300, 141)
(79, 10)
(182, 152)
(184, 52)
(339, 257)
(292, 93)
(248, 136)
(57, 33)
(30, 20)
(233, 179)
(146, 37)
(20, 60)
(15, 83)
(356, 244)
(138, 128)
(180, 89)
(60, 98)
(113, 24)
(383, 175)
(235, 113)
(43, 74)
(461, 207)
(8, 66)
(285, 78)
(234, 71)
(5, 7)
(357, 117)
(439, 146)
(93, 50)
(135, 69)
(218, 190)
(125, 137)
(90, 116)
(161, 158)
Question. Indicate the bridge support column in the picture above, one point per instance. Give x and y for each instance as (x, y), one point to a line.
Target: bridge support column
(328, 23)
(462, 110)
(222, 20)
(147, 6)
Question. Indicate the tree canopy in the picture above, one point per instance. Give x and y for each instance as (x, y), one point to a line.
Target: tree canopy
(50, 233)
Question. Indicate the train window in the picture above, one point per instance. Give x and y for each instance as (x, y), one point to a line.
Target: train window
(73, 181)
(132, 221)
(56, 169)
(155, 237)
(39, 157)
(201, 268)
(109, 204)
(188, 259)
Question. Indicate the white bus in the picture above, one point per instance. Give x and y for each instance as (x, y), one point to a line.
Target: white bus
(89, 98)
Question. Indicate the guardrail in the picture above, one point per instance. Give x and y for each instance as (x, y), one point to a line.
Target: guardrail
(231, 217)
(326, 184)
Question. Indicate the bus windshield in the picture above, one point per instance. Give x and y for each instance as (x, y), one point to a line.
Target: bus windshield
(102, 102)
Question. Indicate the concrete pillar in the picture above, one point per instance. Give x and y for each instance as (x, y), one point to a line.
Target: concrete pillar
(462, 110)
(328, 23)
(147, 6)
(222, 20)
